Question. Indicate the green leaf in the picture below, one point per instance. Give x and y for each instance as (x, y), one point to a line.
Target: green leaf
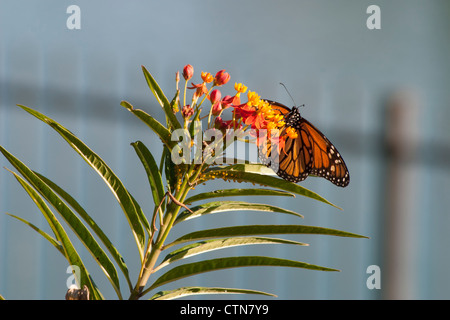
(251, 173)
(253, 168)
(188, 291)
(72, 220)
(151, 168)
(226, 206)
(187, 270)
(169, 170)
(250, 230)
(237, 192)
(141, 214)
(87, 218)
(48, 237)
(152, 123)
(162, 99)
(175, 100)
(112, 181)
(211, 245)
(69, 251)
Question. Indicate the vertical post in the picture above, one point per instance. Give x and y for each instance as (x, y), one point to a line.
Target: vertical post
(400, 241)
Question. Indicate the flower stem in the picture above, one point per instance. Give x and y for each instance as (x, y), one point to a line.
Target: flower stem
(154, 251)
(184, 97)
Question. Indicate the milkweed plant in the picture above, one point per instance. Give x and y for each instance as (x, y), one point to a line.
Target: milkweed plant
(200, 128)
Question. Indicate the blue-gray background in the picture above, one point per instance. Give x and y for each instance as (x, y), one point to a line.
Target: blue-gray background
(346, 75)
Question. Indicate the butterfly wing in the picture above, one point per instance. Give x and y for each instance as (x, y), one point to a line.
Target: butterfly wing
(295, 159)
(279, 107)
(309, 153)
(292, 161)
(326, 160)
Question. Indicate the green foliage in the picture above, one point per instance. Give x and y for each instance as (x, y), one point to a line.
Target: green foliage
(169, 187)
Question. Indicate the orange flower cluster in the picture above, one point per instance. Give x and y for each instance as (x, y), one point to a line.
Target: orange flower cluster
(258, 113)
(255, 113)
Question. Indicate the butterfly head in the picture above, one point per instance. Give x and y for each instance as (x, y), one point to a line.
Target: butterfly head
(297, 108)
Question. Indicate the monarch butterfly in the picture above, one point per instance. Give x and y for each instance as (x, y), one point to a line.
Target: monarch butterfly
(310, 152)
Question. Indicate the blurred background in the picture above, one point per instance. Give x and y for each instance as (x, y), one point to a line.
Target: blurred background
(380, 95)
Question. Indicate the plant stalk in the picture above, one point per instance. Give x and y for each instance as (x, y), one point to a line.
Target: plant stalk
(152, 256)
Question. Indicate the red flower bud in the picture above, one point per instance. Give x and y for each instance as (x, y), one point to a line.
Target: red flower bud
(215, 96)
(188, 72)
(221, 78)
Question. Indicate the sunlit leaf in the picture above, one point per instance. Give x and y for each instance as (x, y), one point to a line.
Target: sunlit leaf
(189, 291)
(69, 251)
(252, 173)
(91, 223)
(46, 236)
(162, 99)
(187, 270)
(237, 192)
(211, 245)
(229, 206)
(250, 230)
(162, 132)
(151, 168)
(72, 220)
(112, 181)
(170, 171)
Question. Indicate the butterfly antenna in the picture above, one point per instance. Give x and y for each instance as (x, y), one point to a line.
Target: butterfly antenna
(290, 94)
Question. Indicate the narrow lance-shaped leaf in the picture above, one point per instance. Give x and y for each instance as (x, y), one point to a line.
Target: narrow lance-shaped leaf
(151, 168)
(237, 192)
(243, 173)
(189, 291)
(162, 99)
(162, 132)
(211, 245)
(72, 220)
(46, 236)
(229, 206)
(111, 180)
(70, 253)
(187, 270)
(250, 230)
(169, 170)
(86, 217)
(141, 214)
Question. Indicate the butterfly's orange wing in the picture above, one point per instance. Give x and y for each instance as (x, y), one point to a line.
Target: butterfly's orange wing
(326, 160)
(309, 153)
